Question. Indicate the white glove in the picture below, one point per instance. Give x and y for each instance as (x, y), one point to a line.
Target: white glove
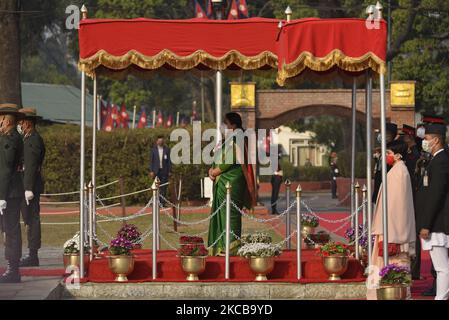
(29, 195)
(2, 206)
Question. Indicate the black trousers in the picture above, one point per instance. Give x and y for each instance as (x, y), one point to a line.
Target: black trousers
(11, 227)
(31, 215)
(334, 188)
(276, 182)
(416, 262)
(163, 190)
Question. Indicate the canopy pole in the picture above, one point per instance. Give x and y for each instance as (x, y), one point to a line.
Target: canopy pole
(383, 126)
(94, 157)
(82, 156)
(369, 157)
(218, 104)
(353, 149)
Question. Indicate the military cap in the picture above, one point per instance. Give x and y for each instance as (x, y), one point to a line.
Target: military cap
(29, 113)
(408, 130)
(392, 128)
(432, 119)
(436, 128)
(9, 108)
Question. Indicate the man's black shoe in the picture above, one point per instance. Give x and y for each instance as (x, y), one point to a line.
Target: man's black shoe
(11, 275)
(29, 261)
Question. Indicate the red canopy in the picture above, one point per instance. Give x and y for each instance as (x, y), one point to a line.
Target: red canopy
(249, 44)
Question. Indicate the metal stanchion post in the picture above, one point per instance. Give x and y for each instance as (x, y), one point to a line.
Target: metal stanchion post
(287, 214)
(86, 215)
(364, 207)
(298, 232)
(228, 229)
(154, 189)
(356, 220)
(91, 222)
(158, 216)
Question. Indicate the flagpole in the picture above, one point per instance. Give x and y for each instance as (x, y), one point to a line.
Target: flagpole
(134, 117)
(99, 112)
(154, 118)
(177, 119)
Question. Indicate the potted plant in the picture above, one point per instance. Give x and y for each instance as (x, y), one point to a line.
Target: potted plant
(316, 240)
(185, 240)
(363, 242)
(394, 282)
(258, 237)
(121, 261)
(261, 257)
(335, 257)
(193, 259)
(131, 232)
(308, 224)
(71, 255)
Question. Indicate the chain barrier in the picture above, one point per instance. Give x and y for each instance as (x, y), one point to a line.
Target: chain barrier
(184, 234)
(186, 208)
(75, 192)
(135, 215)
(124, 195)
(330, 220)
(243, 213)
(189, 223)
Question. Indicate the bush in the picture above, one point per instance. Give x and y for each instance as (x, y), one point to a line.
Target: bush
(344, 164)
(301, 173)
(121, 153)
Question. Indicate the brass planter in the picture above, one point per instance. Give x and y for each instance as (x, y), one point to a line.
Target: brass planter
(393, 292)
(193, 266)
(335, 266)
(306, 231)
(121, 266)
(261, 266)
(72, 261)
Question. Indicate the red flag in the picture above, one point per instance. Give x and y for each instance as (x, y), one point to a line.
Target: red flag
(124, 116)
(103, 112)
(115, 116)
(160, 120)
(209, 12)
(243, 9)
(199, 12)
(108, 124)
(234, 12)
(169, 121)
(142, 120)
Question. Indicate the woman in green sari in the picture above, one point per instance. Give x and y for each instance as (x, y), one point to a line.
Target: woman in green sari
(240, 176)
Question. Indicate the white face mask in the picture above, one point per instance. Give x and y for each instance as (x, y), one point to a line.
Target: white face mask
(421, 132)
(426, 146)
(20, 129)
(379, 138)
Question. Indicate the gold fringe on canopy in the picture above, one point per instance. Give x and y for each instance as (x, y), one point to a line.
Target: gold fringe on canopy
(334, 58)
(103, 58)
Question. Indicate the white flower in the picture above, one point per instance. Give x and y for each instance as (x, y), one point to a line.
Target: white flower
(75, 239)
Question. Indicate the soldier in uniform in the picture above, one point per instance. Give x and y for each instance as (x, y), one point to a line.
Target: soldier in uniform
(11, 189)
(433, 206)
(33, 154)
(392, 132)
(334, 174)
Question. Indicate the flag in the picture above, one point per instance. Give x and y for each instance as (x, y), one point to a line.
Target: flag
(103, 113)
(234, 12)
(108, 124)
(115, 116)
(124, 117)
(169, 121)
(199, 12)
(209, 11)
(142, 119)
(160, 120)
(243, 9)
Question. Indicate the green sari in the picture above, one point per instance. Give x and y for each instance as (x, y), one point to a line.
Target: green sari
(231, 172)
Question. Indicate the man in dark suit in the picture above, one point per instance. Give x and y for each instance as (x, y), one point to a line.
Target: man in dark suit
(33, 158)
(392, 132)
(433, 206)
(11, 189)
(160, 163)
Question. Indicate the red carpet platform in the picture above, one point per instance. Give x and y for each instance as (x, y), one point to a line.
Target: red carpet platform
(169, 269)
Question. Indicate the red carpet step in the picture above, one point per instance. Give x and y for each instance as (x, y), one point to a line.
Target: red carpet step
(169, 269)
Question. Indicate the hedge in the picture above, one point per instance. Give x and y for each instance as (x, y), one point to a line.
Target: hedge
(121, 153)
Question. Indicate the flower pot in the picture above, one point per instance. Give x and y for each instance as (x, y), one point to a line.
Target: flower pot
(137, 246)
(335, 266)
(306, 231)
(261, 266)
(393, 292)
(72, 261)
(193, 266)
(121, 266)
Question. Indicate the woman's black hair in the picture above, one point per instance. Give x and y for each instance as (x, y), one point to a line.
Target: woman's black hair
(234, 118)
(398, 146)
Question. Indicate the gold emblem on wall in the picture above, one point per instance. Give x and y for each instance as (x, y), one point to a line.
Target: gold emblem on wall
(402, 94)
(243, 95)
